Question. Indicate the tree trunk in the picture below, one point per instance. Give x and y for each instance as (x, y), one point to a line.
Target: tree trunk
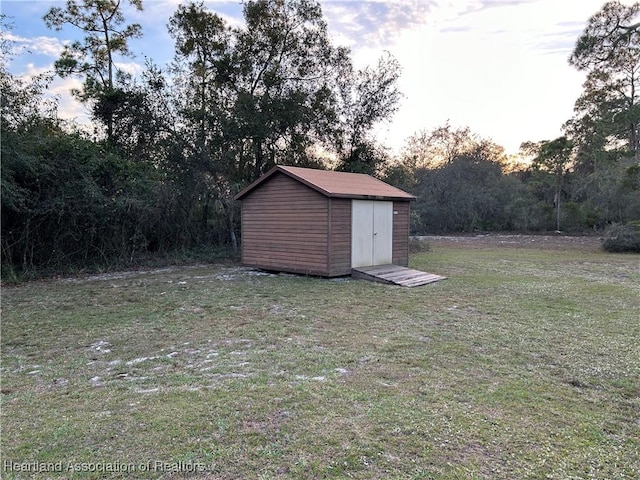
(259, 158)
(557, 201)
(557, 212)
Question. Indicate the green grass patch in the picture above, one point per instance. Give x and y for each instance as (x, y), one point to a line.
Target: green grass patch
(524, 363)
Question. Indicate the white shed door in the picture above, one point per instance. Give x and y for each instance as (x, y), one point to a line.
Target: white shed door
(371, 233)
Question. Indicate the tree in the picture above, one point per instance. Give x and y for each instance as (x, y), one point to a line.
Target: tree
(460, 182)
(367, 97)
(364, 156)
(94, 57)
(66, 201)
(202, 71)
(442, 145)
(609, 51)
(554, 157)
(469, 193)
(202, 40)
(285, 72)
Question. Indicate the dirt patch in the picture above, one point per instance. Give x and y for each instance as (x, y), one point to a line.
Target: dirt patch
(556, 242)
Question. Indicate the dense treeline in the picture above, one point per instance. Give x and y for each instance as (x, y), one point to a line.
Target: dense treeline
(466, 184)
(172, 147)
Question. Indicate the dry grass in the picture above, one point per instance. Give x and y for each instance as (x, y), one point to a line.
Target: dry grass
(525, 363)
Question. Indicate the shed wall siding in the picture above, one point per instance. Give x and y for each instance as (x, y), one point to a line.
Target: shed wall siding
(284, 227)
(340, 237)
(401, 234)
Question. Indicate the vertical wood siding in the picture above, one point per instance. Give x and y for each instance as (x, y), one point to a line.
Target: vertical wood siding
(285, 227)
(401, 234)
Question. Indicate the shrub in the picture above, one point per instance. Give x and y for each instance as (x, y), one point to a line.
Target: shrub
(622, 238)
(418, 245)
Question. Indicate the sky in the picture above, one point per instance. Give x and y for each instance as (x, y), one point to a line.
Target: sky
(499, 67)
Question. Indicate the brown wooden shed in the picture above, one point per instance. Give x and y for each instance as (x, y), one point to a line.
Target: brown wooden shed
(321, 222)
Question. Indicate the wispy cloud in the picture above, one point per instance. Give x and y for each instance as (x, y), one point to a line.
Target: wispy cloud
(561, 40)
(375, 22)
(472, 6)
(156, 14)
(529, 27)
(42, 45)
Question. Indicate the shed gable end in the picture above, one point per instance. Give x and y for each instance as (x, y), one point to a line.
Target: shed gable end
(284, 227)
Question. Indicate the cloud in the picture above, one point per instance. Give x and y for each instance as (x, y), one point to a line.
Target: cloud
(474, 6)
(42, 45)
(156, 43)
(132, 68)
(499, 67)
(513, 27)
(155, 14)
(562, 40)
(32, 70)
(69, 108)
(375, 23)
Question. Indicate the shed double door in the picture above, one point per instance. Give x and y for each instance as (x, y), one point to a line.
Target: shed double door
(371, 233)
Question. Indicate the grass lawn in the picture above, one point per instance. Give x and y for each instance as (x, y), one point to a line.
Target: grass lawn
(524, 363)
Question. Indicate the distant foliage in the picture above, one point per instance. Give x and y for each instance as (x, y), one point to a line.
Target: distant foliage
(68, 202)
(622, 238)
(467, 194)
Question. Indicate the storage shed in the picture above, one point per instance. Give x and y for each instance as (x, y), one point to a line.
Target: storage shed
(325, 223)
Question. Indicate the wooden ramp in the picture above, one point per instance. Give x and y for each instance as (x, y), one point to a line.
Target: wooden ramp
(395, 275)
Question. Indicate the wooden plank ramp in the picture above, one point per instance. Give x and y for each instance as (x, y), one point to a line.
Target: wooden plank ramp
(395, 275)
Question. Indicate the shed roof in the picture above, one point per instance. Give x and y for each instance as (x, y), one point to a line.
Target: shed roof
(335, 184)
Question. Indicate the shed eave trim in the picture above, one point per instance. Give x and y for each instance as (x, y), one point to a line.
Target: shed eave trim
(254, 184)
(370, 197)
(407, 197)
